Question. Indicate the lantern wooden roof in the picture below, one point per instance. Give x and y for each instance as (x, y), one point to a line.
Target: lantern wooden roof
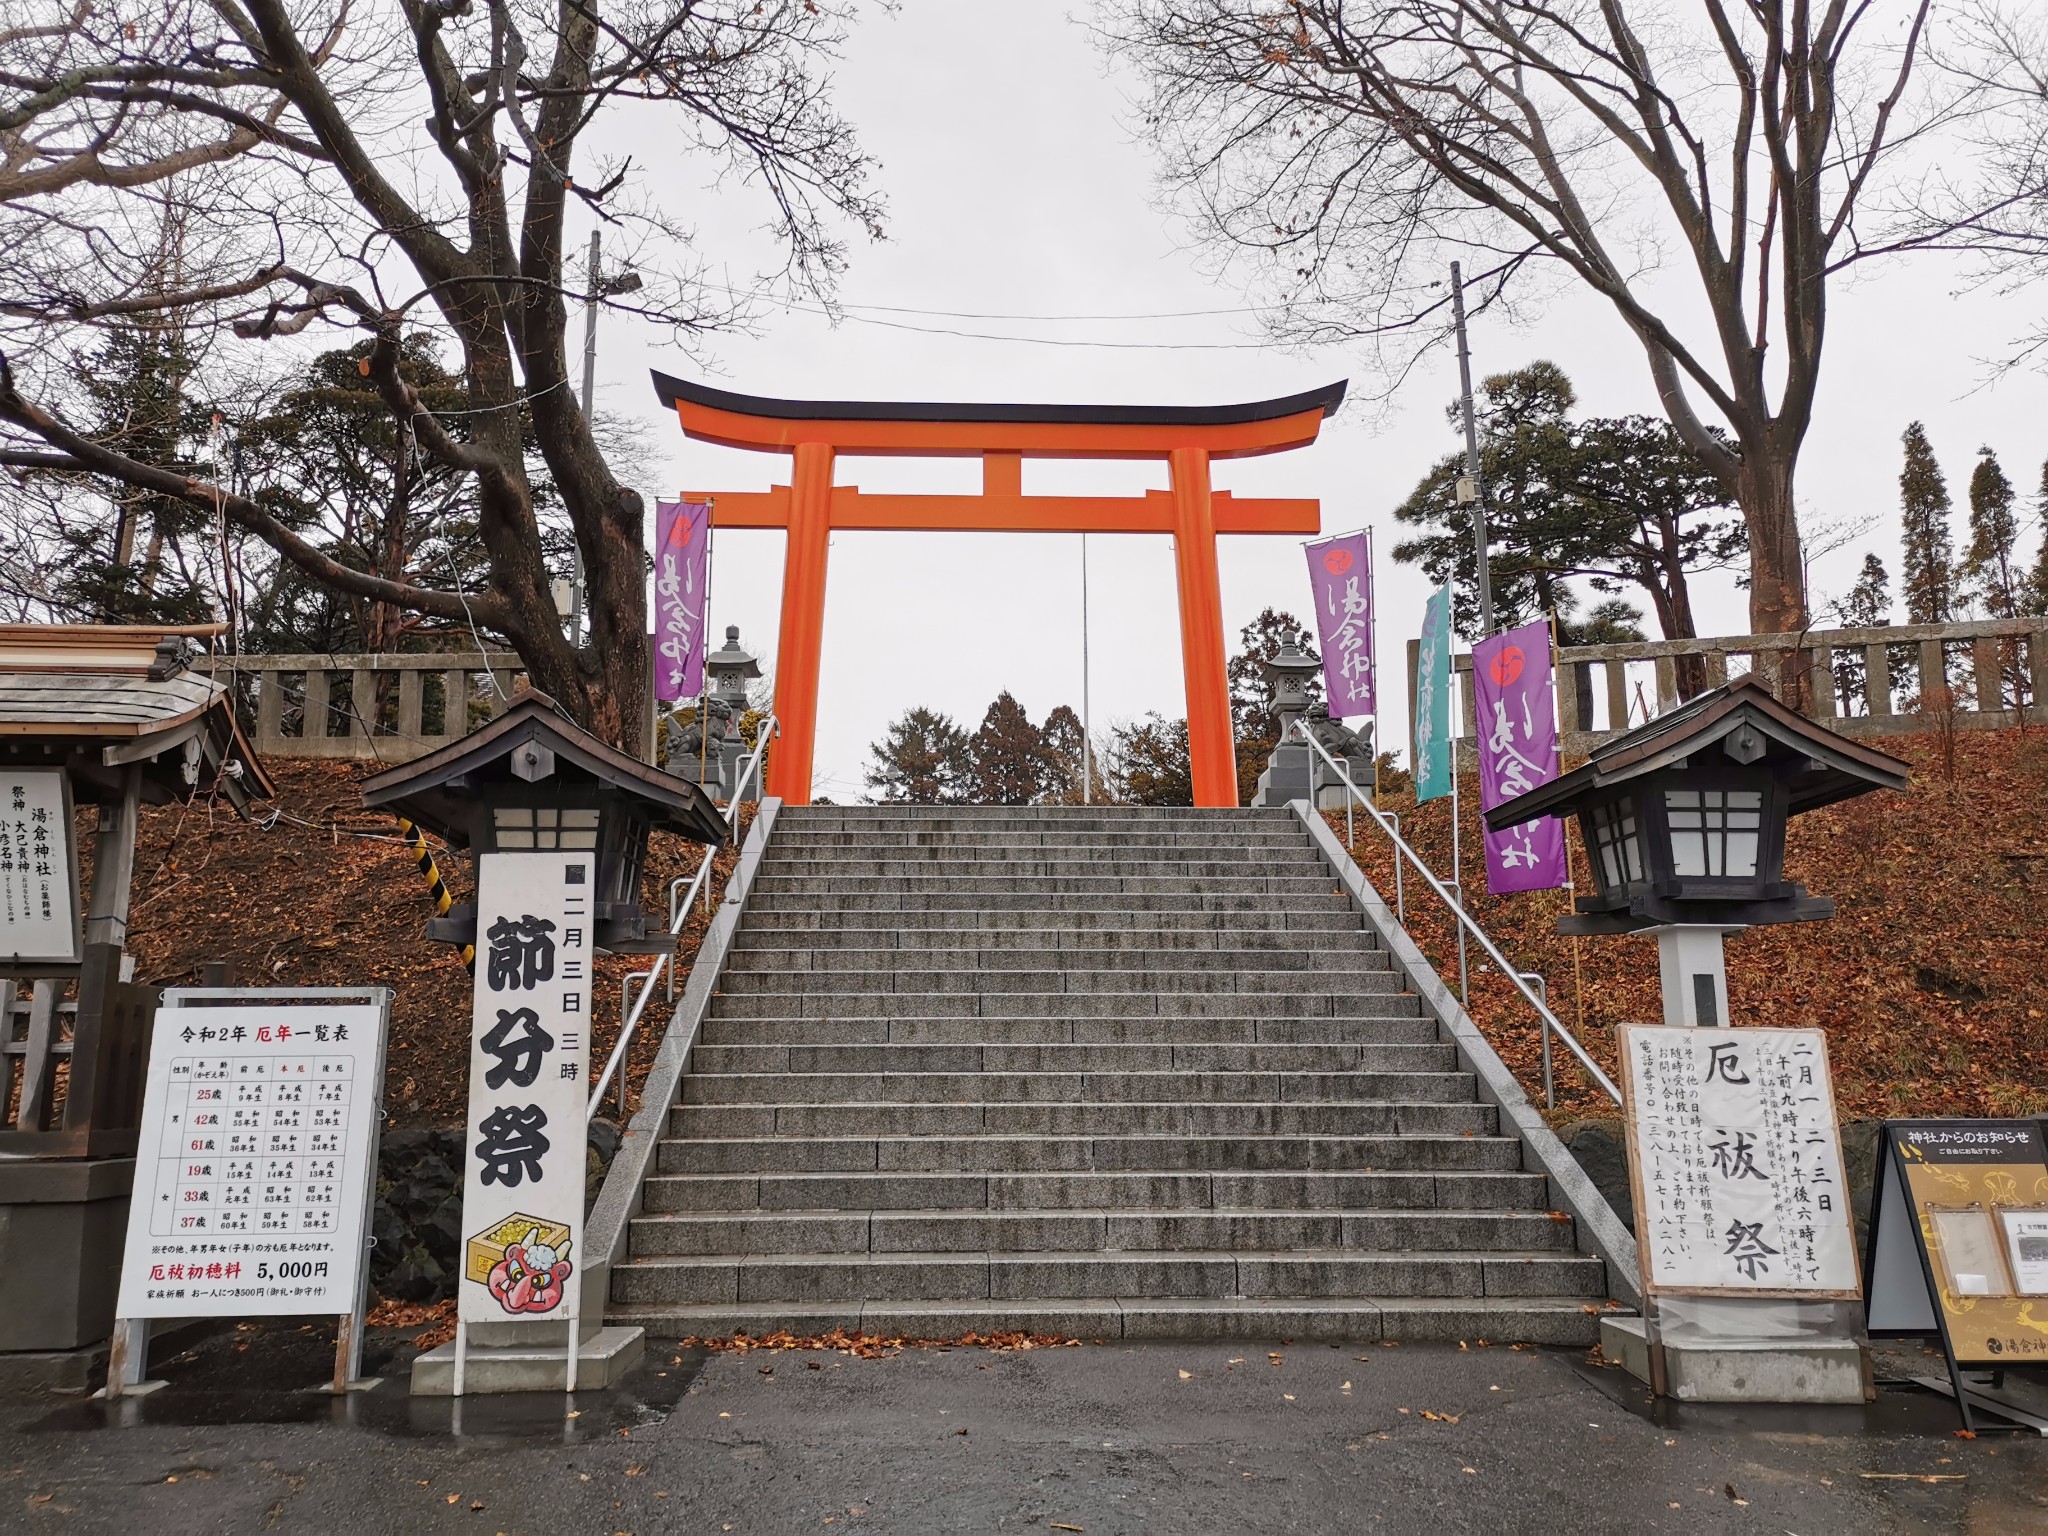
(93, 698)
(1817, 765)
(440, 791)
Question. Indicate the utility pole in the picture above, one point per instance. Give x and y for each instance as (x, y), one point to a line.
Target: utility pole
(590, 297)
(1469, 492)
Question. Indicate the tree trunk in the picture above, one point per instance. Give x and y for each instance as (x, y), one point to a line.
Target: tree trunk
(1777, 590)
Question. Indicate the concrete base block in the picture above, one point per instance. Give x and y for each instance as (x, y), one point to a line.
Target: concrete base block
(1792, 1371)
(33, 1373)
(605, 1357)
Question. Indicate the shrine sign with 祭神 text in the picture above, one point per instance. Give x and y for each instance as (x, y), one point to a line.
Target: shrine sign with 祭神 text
(529, 1059)
(1736, 1163)
(38, 869)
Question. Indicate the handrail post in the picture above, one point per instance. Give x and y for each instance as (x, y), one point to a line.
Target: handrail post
(625, 1008)
(1549, 1086)
(1400, 893)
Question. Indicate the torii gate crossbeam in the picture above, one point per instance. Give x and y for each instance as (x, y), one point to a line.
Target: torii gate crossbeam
(814, 433)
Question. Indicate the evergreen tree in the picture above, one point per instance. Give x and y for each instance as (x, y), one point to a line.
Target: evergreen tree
(1150, 764)
(1991, 562)
(923, 759)
(1928, 581)
(2036, 593)
(1064, 737)
(1621, 501)
(1010, 764)
(1868, 606)
(146, 566)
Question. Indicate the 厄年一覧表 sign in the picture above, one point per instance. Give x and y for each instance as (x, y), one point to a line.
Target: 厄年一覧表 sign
(255, 1163)
(522, 1199)
(1737, 1162)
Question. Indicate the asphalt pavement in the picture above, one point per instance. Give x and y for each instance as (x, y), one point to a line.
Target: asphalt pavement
(1100, 1439)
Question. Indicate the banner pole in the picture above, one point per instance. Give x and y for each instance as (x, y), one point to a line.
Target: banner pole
(1087, 712)
(1457, 713)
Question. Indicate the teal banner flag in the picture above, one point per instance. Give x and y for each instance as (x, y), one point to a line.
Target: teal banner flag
(1433, 700)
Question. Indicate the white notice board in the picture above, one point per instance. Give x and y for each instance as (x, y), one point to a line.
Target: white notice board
(1736, 1163)
(254, 1170)
(38, 869)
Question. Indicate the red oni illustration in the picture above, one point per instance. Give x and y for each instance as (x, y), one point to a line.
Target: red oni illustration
(529, 1278)
(1507, 666)
(1337, 561)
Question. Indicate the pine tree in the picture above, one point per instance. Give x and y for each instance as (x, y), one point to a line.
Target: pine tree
(923, 759)
(1994, 531)
(1010, 763)
(1928, 583)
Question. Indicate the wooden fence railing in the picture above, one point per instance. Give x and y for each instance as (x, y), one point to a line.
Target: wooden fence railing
(1985, 676)
(387, 707)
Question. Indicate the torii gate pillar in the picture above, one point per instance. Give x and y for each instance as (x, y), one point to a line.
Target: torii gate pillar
(814, 433)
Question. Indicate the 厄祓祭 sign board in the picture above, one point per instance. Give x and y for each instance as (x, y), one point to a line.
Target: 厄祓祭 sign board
(1959, 1238)
(39, 920)
(1736, 1163)
(256, 1162)
(522, 1193)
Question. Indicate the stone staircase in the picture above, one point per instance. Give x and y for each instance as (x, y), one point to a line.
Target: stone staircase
(1111, 1073)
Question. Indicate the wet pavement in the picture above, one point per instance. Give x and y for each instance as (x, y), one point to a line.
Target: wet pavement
(1092, 1438)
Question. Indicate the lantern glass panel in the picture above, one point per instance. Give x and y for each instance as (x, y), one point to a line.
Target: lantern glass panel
(1616, 844)
(1715, 833)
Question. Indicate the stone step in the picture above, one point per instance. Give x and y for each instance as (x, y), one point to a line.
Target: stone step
(1320, 898)
(1113, 859)
(1399, 1026)
(923, 981)
(1095, 960)
(1105, 1154)
(1370, 997)
(1329, 1118)
(933, 924)
(1080, 1231)
(1567, 1320)
(909, 1060)
(1223, 843)
(1052, 946)
(789, 881)
(1317, 1273)
(1421, 1086)
(798, 822)
(1496, 1189)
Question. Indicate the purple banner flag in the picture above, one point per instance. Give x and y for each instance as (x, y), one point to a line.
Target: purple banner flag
(1340, 575)
(682, 562)
(1517, 753)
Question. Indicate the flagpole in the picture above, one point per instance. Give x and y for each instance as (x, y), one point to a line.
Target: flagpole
(1087, 713)
(1372, 661)
(1457, 713)
(1564, 831)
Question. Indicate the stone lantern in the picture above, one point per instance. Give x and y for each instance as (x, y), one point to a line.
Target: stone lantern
(1290, 771)
(1684, 823)
(709, 751)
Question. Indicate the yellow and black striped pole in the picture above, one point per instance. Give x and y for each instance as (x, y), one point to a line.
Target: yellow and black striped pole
(423, 856)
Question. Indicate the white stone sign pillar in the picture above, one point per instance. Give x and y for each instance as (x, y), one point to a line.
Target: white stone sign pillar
(529, 1060)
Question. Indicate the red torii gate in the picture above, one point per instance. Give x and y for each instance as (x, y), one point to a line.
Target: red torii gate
(814, 432)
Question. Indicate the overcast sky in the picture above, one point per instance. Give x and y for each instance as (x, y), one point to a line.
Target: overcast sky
(1017, 186)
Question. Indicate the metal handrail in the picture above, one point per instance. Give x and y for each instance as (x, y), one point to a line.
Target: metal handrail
(1549, 1020)
(665, 962)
